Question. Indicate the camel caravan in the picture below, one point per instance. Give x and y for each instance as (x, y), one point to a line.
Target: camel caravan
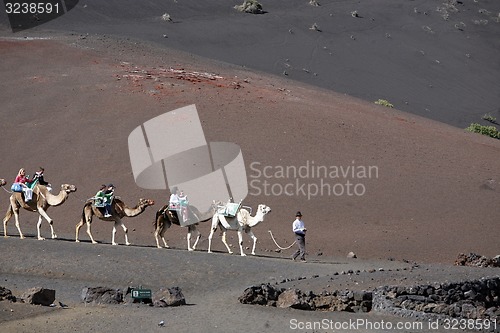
(36, 196)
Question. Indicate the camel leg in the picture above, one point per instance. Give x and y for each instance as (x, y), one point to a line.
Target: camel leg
(5, 228)
(215, 220)
(125, 230)
(188, 237)
(43, 213)
(240, 242)
(113, 235)
(160, 229)
(165, 243)
(224, 233)
(77, 230)
(6, 219)
(198, 235)
(210, 240)
(162, 235)
(192, 229)
(89, 232)
(251, 234)
(49, 220)
(38, 226)
(119, 222)
(157, 240)
(16, 217)
(159, 234)
(13, 210)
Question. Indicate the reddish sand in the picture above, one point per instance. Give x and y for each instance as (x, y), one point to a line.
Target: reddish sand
(73, 103)
(70, 100)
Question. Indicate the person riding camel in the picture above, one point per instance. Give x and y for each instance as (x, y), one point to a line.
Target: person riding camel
(103, 198)
(22, 184)
(184, 202)
(108, 199)
(174, 200)
(38, 177)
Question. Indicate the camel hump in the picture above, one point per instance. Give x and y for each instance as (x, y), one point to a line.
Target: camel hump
(243, 215)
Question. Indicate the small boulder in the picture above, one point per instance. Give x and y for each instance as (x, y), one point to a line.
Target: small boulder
(476, 260)
(6, 294)
(102, 295)
(39, 296)
(352, 255)
(264, 294)
(293, 298)
(169, 297)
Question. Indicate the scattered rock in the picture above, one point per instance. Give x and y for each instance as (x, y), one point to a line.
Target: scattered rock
(358, 301)
(169, 297)
(250, 6)
(264, 294)
(39, 296)
(102, 295)
(6, 294)
(293, 298)
(166, 17)
(476, 260)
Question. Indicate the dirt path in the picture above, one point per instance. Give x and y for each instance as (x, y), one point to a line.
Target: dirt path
(211, 284)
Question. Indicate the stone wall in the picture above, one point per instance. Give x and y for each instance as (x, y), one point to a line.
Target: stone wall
(266, 294)
(476, 299)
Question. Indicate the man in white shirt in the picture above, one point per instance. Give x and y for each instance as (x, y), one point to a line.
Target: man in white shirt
(299, 229)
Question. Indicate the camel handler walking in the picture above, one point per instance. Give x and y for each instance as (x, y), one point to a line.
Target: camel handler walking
(299, 229)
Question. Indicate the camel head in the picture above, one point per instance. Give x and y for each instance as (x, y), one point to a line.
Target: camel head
(68, 188)
(146, 202)
(263, 209)
(2, 182)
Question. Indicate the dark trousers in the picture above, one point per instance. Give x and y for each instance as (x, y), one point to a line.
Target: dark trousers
(301, 251)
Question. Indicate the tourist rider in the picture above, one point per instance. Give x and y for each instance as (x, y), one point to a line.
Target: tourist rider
(174, 200)
(183, 202)
(100, 200)
(108, 199)
(21, 183)
(38, 177)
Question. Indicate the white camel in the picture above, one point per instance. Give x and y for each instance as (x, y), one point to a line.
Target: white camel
(243, 221)
(42, 199)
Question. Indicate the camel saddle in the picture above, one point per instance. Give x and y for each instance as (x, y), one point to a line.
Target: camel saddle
(229, 210)
(101, 202)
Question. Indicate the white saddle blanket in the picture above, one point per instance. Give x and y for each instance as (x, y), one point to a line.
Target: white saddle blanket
(230, 209)
(223, 221)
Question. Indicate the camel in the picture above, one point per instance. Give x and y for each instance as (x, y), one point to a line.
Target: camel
(165, 218)
(42, 199)
(118, 211)
(242, 221)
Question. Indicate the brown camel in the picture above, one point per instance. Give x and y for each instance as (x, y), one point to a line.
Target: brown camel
(42, 199)
(118, 211)
(165, 218)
